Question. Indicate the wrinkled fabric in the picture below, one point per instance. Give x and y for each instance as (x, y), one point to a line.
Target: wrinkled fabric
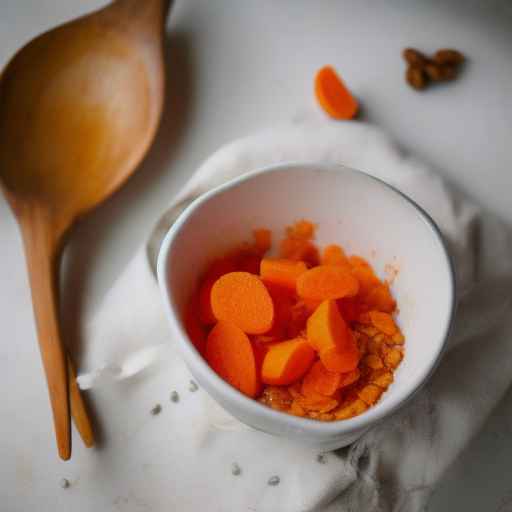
(393, 467)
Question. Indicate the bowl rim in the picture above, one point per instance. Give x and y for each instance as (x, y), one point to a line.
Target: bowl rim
(280, 419)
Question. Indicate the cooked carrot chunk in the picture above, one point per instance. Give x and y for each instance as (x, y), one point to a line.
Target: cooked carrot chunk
(241, 298)
(327, 282)
(329, 335)
(333, 95)
(308, 336)
(286, 362)
(230, 354)
(281, 272)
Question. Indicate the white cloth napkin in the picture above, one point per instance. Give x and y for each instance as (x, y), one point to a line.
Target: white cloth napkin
(392, 467)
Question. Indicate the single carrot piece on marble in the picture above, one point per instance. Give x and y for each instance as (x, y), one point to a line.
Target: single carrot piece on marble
(333, 95)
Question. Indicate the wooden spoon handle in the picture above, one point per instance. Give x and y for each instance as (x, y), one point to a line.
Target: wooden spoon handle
(42, 253)
(78, 409)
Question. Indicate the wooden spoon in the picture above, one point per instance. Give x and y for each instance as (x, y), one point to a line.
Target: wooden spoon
(79, 108)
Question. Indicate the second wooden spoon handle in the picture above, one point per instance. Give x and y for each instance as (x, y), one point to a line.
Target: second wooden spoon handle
(78, 409)
(41, 250)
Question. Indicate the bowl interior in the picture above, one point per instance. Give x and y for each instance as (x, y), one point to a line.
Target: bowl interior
(365, 216)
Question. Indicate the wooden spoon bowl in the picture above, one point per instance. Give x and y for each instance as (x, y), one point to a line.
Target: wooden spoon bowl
(79, 108)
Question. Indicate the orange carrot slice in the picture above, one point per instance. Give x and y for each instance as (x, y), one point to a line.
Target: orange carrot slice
(230, 354)
(241, 298)
(287, 362)
(281, 272)
(333, 95)
(327, 282)
(320, 380)
(325, 327)
(218, 268)
(329, 335)
(334, 255)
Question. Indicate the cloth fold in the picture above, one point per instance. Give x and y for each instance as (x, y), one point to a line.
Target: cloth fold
(395, 465)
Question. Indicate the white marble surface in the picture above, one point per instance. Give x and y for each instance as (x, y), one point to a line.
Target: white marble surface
(235, 67)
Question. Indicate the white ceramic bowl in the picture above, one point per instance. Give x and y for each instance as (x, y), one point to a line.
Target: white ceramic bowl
(364, 215)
